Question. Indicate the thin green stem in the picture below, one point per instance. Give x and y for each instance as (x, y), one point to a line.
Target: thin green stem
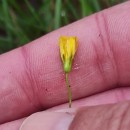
(69, 90)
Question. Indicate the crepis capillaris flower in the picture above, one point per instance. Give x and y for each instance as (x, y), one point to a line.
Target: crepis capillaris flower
(68, 47)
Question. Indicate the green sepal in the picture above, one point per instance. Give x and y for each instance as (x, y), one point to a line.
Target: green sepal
(67, 66)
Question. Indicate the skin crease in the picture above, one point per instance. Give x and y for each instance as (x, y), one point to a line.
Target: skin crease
(28, 73)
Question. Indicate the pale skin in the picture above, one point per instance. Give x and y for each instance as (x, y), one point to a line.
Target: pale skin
(32, 78)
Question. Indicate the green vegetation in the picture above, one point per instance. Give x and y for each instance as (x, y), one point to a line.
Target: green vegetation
(22, 21)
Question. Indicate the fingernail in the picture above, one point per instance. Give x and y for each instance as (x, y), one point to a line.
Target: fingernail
(48, 121)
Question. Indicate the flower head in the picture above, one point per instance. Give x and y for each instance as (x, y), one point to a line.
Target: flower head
(68, 47)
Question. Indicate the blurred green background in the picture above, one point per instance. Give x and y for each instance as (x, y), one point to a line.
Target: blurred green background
(22, 21)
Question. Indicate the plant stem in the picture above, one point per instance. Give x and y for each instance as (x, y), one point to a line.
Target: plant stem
(69, 90)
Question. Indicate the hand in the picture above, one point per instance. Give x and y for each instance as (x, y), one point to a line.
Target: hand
(32, 78)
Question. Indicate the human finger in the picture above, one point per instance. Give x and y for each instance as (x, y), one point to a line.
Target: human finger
(111, 96)
(13, 125)
(108, 97)
(102, 117)
(32, 78)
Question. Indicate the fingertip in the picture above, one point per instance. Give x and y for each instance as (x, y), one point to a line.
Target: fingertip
(48, 121)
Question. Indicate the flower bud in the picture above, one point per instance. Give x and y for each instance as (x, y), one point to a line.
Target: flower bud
(68, 47)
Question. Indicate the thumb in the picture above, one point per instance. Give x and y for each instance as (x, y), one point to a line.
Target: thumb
(103, 117)
(48, 121)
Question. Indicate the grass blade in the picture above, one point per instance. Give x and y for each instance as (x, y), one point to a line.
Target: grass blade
(57, 22)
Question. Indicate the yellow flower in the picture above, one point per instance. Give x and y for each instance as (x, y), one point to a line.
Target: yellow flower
(68, 47)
